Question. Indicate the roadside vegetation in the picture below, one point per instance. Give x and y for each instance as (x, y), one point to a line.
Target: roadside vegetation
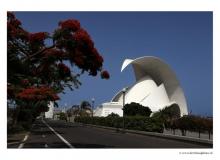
(138, 117)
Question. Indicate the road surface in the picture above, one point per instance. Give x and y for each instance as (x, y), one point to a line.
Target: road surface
(60, 134)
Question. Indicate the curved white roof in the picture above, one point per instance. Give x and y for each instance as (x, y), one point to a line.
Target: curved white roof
(161, 73)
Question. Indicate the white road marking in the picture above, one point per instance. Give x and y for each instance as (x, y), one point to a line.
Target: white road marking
(25, 138)
(58, 135)
(10, 143)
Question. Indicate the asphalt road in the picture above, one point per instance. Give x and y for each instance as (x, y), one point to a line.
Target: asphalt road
(59, 134)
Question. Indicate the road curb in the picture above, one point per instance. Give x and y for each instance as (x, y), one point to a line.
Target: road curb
(161, 135)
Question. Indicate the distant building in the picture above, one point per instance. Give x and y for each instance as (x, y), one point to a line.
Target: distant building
(156, 86)
(50, 112)
(56, 113)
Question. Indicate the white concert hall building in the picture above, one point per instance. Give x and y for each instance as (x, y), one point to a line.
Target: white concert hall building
(156, 86)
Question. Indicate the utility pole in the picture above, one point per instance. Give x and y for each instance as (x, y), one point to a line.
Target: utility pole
(123, 91)
(93, 102)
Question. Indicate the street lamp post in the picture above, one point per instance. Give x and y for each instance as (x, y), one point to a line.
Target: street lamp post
(93, 102)
(65, 111)
(123, 91)
(65, 106)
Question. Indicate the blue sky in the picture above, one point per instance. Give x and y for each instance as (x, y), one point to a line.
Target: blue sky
(182, 39)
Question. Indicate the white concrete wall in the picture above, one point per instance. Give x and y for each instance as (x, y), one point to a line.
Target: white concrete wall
(98, 112)
(157, 99)
(108, 108)
(147, 93)
(140, 90)
(107, 111)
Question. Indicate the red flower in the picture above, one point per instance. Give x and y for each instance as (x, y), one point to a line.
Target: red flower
(14, 28)
(37, 94)
(71, 24)
(54, 53)
(79, 61)
(10, 15)
(64, 70)
(16, 22)
(105, 75)
(12, 31)
(78, 58)
(83, 39)
(38, 37)
(55, 97)
(98, 57)
(12, 20)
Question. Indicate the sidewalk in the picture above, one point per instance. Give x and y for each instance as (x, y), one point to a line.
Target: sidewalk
(203, 136)
(155, 134)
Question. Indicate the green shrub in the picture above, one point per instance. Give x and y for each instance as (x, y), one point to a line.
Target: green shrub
(191, 123)
(168, 113)
(133, 122)
(62, 116)
(136, 109)
(113, 115)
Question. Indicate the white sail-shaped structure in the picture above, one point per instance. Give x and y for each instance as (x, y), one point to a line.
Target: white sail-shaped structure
(156, 86)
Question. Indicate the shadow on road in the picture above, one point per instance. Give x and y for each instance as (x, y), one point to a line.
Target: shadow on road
(84, 145)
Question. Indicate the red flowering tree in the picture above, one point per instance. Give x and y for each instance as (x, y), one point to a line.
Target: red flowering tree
(105, 75)
(37, 70)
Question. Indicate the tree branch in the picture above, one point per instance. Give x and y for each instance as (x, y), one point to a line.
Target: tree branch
(39, 52)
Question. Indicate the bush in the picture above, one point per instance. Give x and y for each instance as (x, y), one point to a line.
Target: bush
(83, 113)
(136, 109)
(62, 116)
(168, 113)
(172, 111)
(113, 115)
(193, 123)
(134, 123)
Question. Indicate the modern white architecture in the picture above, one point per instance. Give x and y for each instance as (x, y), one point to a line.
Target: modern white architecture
(107, 108)
(156, 86)
(50, 112)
